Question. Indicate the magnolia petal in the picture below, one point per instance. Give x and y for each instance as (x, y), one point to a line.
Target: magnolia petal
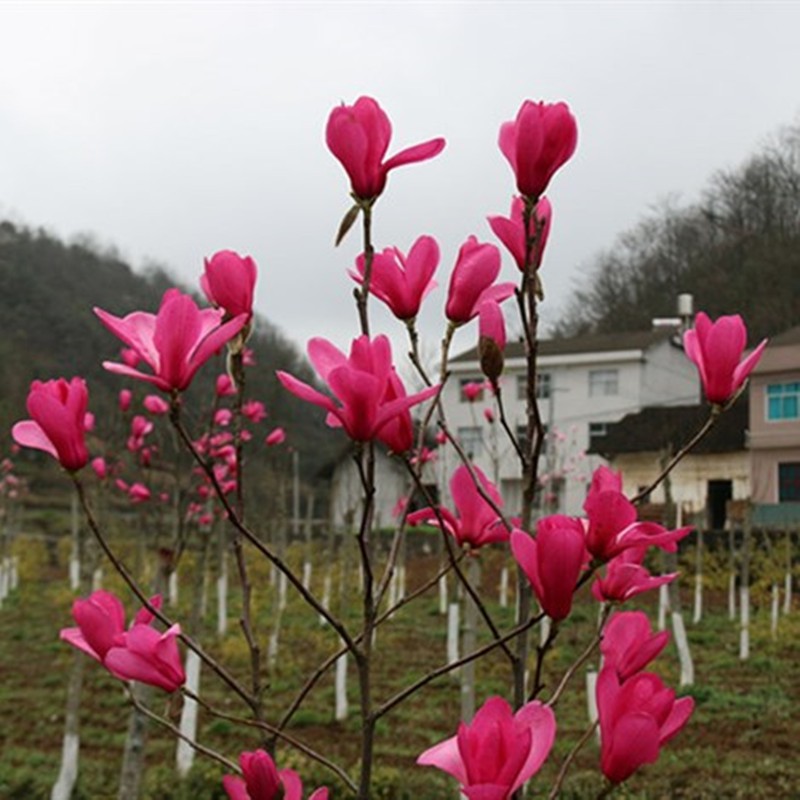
(28, 433)
(416, 153)
(447, 757)
(541, 721)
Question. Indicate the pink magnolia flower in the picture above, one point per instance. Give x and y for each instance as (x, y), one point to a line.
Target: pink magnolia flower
(511, 231)
(139, 654)
(58, 420)
(629, 643)
(359, 135)
(471, 281)
(101, 622)
(398, 433)
(223, 417)
(498, 751)
(552, 561)
(626, 577)
(539, 141)
(441, 438)
(155, 404)
(488, 415)
(100, 467)
(716, 349)
(402, 282)
(604, 479)
(491, 339)
(473, 391)
(229, 282)
(254, 411)
(125, 399)
(174, 343)
(637, 718)
(360, 382)
(148, 657)
(613, 525)
(263, 781)
(224, 386)
(477, 522)
(138, 493)
(275, 436)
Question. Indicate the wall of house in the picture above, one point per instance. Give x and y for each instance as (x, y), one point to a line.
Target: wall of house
(765, 433)
(764, 463)
(689, 480)
(669, 377)
(392, 482)
(662, 375)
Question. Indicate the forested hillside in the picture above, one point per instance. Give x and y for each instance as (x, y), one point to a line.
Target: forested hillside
(737, 250)
(47, 292)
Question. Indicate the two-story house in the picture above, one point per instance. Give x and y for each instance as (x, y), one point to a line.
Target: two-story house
(775, 421)
(585, 383)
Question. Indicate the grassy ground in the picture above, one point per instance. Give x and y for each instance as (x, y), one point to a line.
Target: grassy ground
(741, 742)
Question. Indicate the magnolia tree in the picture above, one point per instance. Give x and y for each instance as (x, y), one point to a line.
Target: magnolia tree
(503, 746)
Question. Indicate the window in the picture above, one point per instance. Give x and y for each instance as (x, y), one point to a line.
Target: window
(603, 382)
(543, 386)
(471, 441)
(470, 390)
(789, 482)
(597, 430)
(783, 401)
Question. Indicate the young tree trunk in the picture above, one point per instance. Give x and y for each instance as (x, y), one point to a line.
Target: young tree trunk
(70, 750)
(744, 635)
(698, 579)
(133, 757)
(787, 589)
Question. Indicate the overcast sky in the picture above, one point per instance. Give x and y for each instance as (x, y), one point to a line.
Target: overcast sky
(172, 130)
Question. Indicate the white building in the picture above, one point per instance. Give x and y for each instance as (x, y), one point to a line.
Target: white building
(585, 383)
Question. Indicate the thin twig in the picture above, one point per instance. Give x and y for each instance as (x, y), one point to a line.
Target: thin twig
(252, 538)
(713, 417)
(165, 723)
(145, 601)
(453, 562)
(582, 659)
(334, 657)
(562, 773)
(541, 652)
(261, 724)
(443, 670)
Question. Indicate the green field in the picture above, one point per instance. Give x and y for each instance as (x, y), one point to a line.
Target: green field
(741, 742)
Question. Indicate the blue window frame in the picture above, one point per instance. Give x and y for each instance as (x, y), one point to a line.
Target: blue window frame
(783, 401)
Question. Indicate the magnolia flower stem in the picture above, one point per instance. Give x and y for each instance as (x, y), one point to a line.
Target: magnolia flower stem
(332, 659)
(245, 621)
(680, 455)
(443, 670)
(562, 773)
(252, 538)
(165, 723)
(581, 659)
(215, 666)
(413, 354)
(504, 422)
(527, 302)
(541, 653)
(362, 295)
(265, 726)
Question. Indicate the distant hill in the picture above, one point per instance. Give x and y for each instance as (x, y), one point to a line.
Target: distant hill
(47, 292)
(737, 250)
